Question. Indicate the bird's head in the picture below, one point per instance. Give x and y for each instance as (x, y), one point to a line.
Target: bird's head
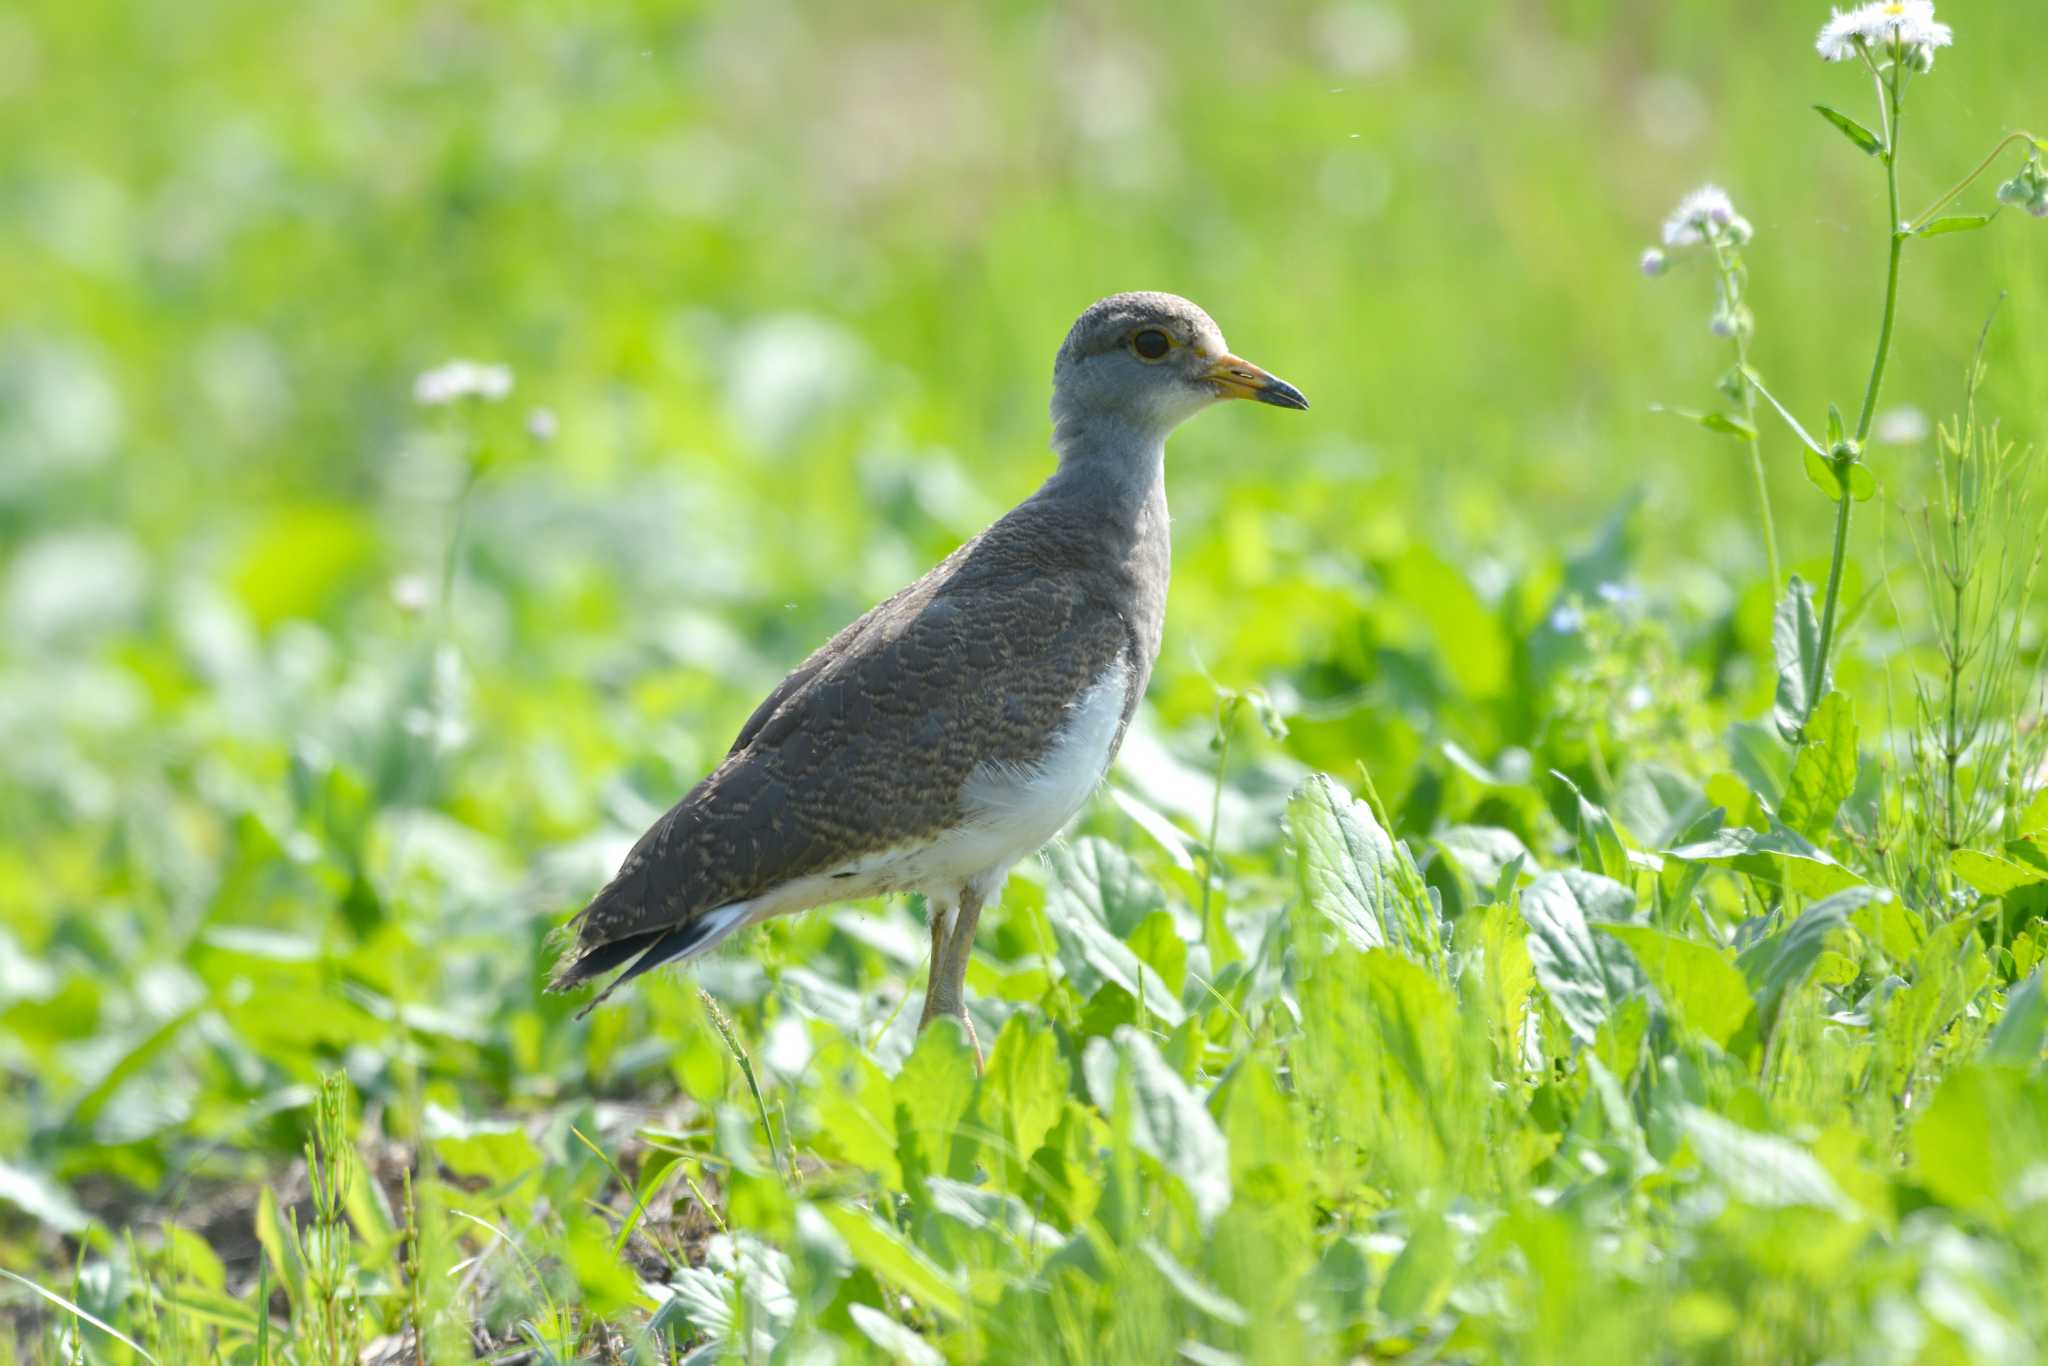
(1145, 363)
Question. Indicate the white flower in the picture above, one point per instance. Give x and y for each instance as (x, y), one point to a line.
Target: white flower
(1906, 426)
(1908, 23)
(1707, 208)
(541, 424)
(458, 379)
(1655, 263)
(412, 593)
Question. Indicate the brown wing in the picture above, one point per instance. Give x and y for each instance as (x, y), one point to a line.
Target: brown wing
(864, 747)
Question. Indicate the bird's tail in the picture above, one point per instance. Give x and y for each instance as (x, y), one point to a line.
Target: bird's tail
(641, 951)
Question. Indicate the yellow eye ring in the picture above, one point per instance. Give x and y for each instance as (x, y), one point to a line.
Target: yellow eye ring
(1151, 344)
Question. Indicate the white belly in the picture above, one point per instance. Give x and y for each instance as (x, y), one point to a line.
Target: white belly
(1014, 809)
(1011, 809)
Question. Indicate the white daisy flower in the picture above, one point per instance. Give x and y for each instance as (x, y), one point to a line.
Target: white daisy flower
(1908, 23)
(459, 379)
(1704, 211)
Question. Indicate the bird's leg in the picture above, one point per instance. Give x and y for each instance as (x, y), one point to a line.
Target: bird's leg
(943, 915)
(952, 942)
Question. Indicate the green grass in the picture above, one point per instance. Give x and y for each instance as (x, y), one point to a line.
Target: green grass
(1459, 965)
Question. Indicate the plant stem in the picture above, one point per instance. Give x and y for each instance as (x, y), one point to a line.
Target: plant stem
(1763, 488)
(1927, 214)
(1731, 293)
(1215, 935)
(1843, 459)
(1891, 293)
(732, 1044)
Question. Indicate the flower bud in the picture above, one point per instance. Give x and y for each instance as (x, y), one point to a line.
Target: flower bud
(1740, 231)
(1732, 322)
(1655, 263)
(2016, 191)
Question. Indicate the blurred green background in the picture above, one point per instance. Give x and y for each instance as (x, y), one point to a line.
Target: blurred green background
(780, 285)
(789, 279)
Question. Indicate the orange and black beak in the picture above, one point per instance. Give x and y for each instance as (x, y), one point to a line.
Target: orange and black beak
(1234, 378)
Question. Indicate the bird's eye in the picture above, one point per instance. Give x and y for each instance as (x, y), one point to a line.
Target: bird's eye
(1151, 344)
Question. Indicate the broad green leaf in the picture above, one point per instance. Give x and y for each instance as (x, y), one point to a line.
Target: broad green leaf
(1992, 874)
(1760, 1169)
(1806, 869)
(857, 1113)
(1264, 1133)
(1483, 852)
(1600, 845)
(893, 1261)
(498, 1152)
(1984, 1132)
(1656, 804)
(1110, 885)
(1696, 982)
(281, 1247)
(40, 1198)
(603, 1283)
(1960, 222)
(703, 1299)
(1760, 760)
(1093, 883)
(1719, 423)
(2034, 821)
(2022, 1030)
(1728, 426)
(1167, 1119)
(1619, 1045)
(1507, 977)
(1198, 1293)
(1022, 1091)
(1465, 632)
(1821, 474)
(932, 1093)
(1388, 1067)
(1795, 639)
(897, 1342)
(1947, 974)
(1584, 975)
(1624, 1132)
(1157, 944)
(1824, 774)
(1420, 1276)
(193, 1259)
(1864, 139)
(1776, 966)
(131, 1063)
(1357, 876)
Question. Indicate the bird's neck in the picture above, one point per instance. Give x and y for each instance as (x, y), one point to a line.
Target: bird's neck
(1115, 460)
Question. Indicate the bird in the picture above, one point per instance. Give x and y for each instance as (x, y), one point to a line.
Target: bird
(964, 722)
